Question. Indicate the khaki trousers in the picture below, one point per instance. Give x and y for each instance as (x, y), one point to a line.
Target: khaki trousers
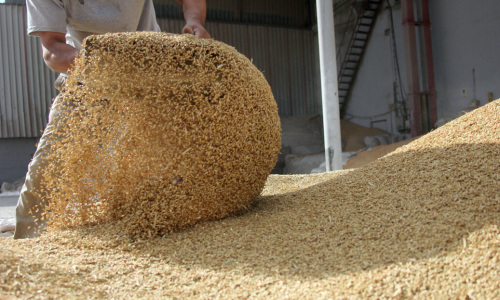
(30, 204)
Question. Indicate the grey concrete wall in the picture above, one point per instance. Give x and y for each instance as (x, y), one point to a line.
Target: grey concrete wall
(465, 35)
(15, 155)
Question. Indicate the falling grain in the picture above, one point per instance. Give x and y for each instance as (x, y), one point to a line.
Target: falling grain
(162, 133)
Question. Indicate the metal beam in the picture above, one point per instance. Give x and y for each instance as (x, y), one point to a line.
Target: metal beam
(423, 107)
(429, 60)
(329, 87)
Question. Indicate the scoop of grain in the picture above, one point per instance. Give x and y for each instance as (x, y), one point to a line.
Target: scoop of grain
(163, 131)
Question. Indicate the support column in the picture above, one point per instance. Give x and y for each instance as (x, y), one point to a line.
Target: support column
(329, 86)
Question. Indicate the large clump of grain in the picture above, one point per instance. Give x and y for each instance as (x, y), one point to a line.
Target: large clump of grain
(163, 131)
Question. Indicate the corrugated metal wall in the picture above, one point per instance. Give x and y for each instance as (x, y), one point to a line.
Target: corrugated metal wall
(26, 84)
(288, 58)
(276, 35)
(283, 13)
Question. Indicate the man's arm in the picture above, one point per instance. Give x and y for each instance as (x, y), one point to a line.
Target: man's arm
(57, 55)
(194, 14)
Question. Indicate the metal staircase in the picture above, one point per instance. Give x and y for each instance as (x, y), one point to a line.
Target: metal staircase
(367, 11)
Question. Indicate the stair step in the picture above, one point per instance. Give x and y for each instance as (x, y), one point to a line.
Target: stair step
(364, 26)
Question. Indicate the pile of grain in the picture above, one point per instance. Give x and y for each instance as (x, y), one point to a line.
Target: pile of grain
(420, 223)
(365, 157)
(355, 134)
(163, 131)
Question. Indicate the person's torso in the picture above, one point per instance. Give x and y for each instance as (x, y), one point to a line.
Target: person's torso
(86, 17)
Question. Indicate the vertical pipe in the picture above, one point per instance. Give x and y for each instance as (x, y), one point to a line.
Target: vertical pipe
(329, 87)
(412, 75)
(429, 60)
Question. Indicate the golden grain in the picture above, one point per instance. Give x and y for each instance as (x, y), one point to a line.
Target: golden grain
(162, 133)
(420, 223)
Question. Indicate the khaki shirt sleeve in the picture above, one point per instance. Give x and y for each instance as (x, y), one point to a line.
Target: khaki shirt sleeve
(46, 15)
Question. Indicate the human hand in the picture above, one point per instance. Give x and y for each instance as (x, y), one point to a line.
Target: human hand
(57, 55)
(197, 29)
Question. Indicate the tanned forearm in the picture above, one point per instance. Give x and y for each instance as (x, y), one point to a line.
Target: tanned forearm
(195, 12)
(57, 55)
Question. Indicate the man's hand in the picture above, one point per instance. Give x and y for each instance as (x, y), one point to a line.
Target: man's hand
(57, 55)
(196, 29)
(194, 14)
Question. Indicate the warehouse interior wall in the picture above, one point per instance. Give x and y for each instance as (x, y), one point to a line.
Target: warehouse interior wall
(276, 36)
(464, 36)
(15, 154)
